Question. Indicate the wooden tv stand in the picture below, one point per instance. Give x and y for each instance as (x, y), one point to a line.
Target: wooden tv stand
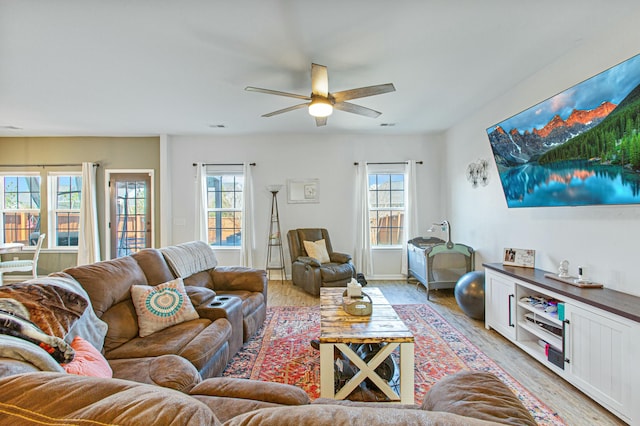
(591, 342)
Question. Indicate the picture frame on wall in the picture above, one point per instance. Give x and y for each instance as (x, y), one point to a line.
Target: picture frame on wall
(519, 257)
(302, 191)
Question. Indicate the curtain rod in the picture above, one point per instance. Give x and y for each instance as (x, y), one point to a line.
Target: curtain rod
(47, 165)
(396, 162)
(223, 164)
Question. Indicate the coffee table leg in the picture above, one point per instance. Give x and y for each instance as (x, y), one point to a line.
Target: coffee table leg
(326, 371)
(407, 366)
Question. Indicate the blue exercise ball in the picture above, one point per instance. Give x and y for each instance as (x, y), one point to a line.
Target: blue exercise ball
(469, 292)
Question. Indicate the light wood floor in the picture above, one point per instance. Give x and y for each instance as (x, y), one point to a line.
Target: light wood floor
(573, 406)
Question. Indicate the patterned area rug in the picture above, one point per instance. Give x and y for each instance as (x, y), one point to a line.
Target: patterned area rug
(280, 352)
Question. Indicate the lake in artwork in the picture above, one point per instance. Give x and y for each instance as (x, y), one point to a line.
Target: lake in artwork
(579, 147)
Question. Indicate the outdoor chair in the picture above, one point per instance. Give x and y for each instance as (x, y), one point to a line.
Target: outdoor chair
(23, 265)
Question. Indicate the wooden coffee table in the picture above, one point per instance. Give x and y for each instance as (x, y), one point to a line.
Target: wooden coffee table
(338, 329)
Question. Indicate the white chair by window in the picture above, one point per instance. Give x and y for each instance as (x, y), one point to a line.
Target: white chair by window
(23, 265)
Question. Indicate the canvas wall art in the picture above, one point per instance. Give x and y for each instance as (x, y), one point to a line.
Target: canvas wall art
(579, 147)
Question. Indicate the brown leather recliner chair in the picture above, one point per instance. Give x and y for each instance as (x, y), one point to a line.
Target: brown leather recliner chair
(307, 272)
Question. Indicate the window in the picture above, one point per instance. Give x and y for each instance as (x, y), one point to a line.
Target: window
(21, 208)
(66, 191)
(24, 208)
(224, 208)
(386, 208)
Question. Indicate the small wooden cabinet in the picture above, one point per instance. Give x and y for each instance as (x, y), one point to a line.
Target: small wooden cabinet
(589, 342)
(500, 294)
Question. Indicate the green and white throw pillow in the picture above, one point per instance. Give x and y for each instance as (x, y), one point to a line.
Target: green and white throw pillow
(161, 306)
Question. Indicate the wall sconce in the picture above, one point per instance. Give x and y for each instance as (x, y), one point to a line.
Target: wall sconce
(478, 173)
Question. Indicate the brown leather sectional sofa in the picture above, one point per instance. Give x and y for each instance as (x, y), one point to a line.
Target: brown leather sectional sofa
(169, 377)
(231, 303)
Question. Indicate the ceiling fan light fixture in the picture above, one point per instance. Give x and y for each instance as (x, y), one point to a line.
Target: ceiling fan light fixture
(320, 108)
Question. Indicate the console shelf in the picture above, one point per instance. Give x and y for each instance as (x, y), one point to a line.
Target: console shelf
(589, 341)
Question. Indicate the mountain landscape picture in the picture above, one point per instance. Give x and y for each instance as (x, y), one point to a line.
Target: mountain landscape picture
(579, 147)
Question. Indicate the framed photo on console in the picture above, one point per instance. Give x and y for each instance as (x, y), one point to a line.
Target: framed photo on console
(519, 257)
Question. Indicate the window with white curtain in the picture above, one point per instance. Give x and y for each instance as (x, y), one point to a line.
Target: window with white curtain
(24, 202)
(225, 197)
(21, 202)
(64, 209)
(386, 193)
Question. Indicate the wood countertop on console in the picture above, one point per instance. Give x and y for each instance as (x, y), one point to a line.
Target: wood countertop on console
(616, 302)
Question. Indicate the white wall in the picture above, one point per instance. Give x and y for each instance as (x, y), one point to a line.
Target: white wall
(603, 239)
(327, 158)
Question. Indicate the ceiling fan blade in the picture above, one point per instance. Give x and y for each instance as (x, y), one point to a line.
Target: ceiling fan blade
(362, 92)
(280, 111)
(356, 109)
(276, 92)
(319, 80)
(321, 121)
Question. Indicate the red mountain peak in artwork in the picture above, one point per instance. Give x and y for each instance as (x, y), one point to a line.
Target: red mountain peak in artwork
(577, 116)
(584, 117)
(554, 123)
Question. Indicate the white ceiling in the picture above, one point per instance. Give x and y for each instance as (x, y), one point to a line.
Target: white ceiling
(143, 67)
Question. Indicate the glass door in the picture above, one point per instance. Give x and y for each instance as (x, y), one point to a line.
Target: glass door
(130, 213)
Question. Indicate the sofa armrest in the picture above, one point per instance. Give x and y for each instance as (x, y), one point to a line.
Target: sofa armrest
(477, 394)
(340, 257)
(60, 398)
(277, 393)
(230, 278)
(168, 371)
(311, 261)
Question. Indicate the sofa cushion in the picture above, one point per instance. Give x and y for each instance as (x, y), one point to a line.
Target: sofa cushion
(171, 341)
(154, 266)
(88, 361)
(317, 250)
(336, 271)
(161, 306)
(123, 324)
(250, 300)
(203, 348)
(93, 401)
(199, 279)
(108, 282)
(480, 395)
(231, 278)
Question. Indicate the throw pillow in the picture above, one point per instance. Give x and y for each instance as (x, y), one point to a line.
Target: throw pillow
(317, 250)
(88, 361)
(161, 306)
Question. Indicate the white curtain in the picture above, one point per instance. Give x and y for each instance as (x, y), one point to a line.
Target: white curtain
(362, 251)
(248, 230)
(410, 228)
(200, 220)
(88, 237)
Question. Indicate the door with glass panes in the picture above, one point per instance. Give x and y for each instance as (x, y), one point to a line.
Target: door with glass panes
(130, 222)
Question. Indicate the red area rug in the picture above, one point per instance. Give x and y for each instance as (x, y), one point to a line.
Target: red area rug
(280, 352)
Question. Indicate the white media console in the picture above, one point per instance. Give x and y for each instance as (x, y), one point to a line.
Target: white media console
(592, 340)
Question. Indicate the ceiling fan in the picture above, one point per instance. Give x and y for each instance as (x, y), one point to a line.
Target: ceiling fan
(322, 102)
